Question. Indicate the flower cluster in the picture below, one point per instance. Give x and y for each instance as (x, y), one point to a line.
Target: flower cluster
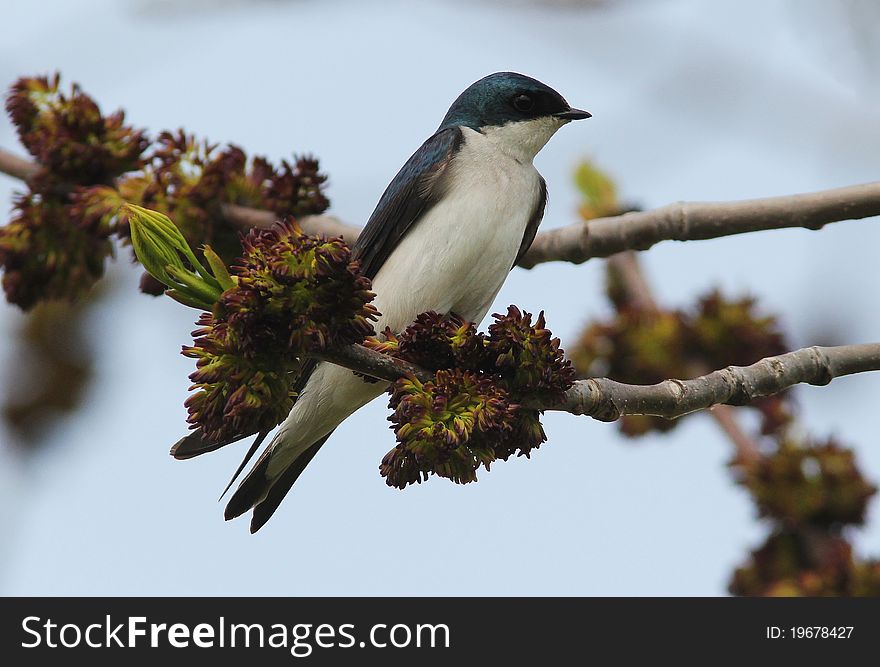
(809, 491)
(50, 250)
(292, 294)
(90, 164)
(434, 341)
(726, 332)
(305, 292)
(69, 136)
(647, 346)
(52, 385)
(238, 391)
(470, 414)
(44, 256)
(188, 180)
(527, 357)
(817, 484)
(644, 345)
(788, 565)
(449, 426)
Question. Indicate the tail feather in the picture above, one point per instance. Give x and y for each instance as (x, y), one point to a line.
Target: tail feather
(264, 510)
(263, 494)
(194, 444)
(247, 457)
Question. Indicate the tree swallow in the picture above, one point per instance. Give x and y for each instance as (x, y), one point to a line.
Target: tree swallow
(445, 234)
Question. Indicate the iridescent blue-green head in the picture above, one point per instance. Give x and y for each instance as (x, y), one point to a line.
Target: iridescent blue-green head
(507, 97)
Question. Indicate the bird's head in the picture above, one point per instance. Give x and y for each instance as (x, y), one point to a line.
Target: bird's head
(519, 112)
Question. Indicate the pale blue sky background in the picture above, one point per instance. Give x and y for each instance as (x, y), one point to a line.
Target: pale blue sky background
(691, 100)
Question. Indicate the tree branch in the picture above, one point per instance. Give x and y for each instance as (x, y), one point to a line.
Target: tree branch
(608, 400)
(603, 237)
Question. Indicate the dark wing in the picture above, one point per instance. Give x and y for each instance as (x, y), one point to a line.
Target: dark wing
(534, 222)
(417, 187)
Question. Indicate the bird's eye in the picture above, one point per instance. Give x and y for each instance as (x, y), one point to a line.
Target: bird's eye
(523, 103)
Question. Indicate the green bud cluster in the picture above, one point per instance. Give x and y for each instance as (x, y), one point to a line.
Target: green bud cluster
(470, 414)
(189, 180)
(167, 257)
(599, 192)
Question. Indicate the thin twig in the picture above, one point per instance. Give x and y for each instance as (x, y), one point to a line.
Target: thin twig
(633, 280)
(747, 450)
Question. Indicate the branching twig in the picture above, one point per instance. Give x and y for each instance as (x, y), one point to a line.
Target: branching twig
(604, 237)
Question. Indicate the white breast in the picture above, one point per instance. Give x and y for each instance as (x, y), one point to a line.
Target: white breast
(457, 256)
(454, 259)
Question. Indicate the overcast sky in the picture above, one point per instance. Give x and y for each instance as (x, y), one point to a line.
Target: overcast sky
(691, 100)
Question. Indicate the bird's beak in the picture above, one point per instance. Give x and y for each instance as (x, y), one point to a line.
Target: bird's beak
(573, 114)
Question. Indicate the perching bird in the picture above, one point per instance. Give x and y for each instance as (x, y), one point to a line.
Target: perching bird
(446, 232)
